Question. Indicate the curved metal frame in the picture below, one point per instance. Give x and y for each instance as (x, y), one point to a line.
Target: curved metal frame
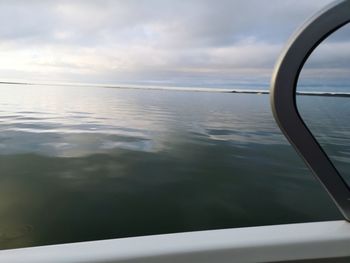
(283, 99)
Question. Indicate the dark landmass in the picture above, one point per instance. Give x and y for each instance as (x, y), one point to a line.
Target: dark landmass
(17, 83)
(239, 91)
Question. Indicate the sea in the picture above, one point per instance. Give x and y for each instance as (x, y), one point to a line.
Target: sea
(85, 162)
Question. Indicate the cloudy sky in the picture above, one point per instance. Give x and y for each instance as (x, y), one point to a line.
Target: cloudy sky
(150, 41)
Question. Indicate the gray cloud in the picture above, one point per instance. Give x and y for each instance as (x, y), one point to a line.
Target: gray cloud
(111, 41)
(196, 22)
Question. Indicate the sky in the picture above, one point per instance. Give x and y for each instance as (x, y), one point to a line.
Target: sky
(182, 42)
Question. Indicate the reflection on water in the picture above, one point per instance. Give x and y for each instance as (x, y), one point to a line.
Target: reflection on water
(86, 163)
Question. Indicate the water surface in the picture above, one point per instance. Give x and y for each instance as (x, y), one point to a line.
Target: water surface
(88, 163)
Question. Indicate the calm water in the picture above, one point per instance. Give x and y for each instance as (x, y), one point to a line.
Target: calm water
(86, 163)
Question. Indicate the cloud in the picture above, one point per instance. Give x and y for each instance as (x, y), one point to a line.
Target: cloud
(112, 41)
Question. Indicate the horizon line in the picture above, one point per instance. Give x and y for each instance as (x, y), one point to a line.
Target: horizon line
(186, 89)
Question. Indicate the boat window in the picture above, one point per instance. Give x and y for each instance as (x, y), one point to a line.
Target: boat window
(132, 118)
(323, 98)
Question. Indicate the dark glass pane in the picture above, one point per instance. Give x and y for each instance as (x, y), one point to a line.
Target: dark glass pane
(325, 102)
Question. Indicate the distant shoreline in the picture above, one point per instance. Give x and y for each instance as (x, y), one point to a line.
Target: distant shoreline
(187, 89)
(17, 83)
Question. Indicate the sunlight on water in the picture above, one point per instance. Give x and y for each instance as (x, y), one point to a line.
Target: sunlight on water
(76, 121)
(87, 163)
